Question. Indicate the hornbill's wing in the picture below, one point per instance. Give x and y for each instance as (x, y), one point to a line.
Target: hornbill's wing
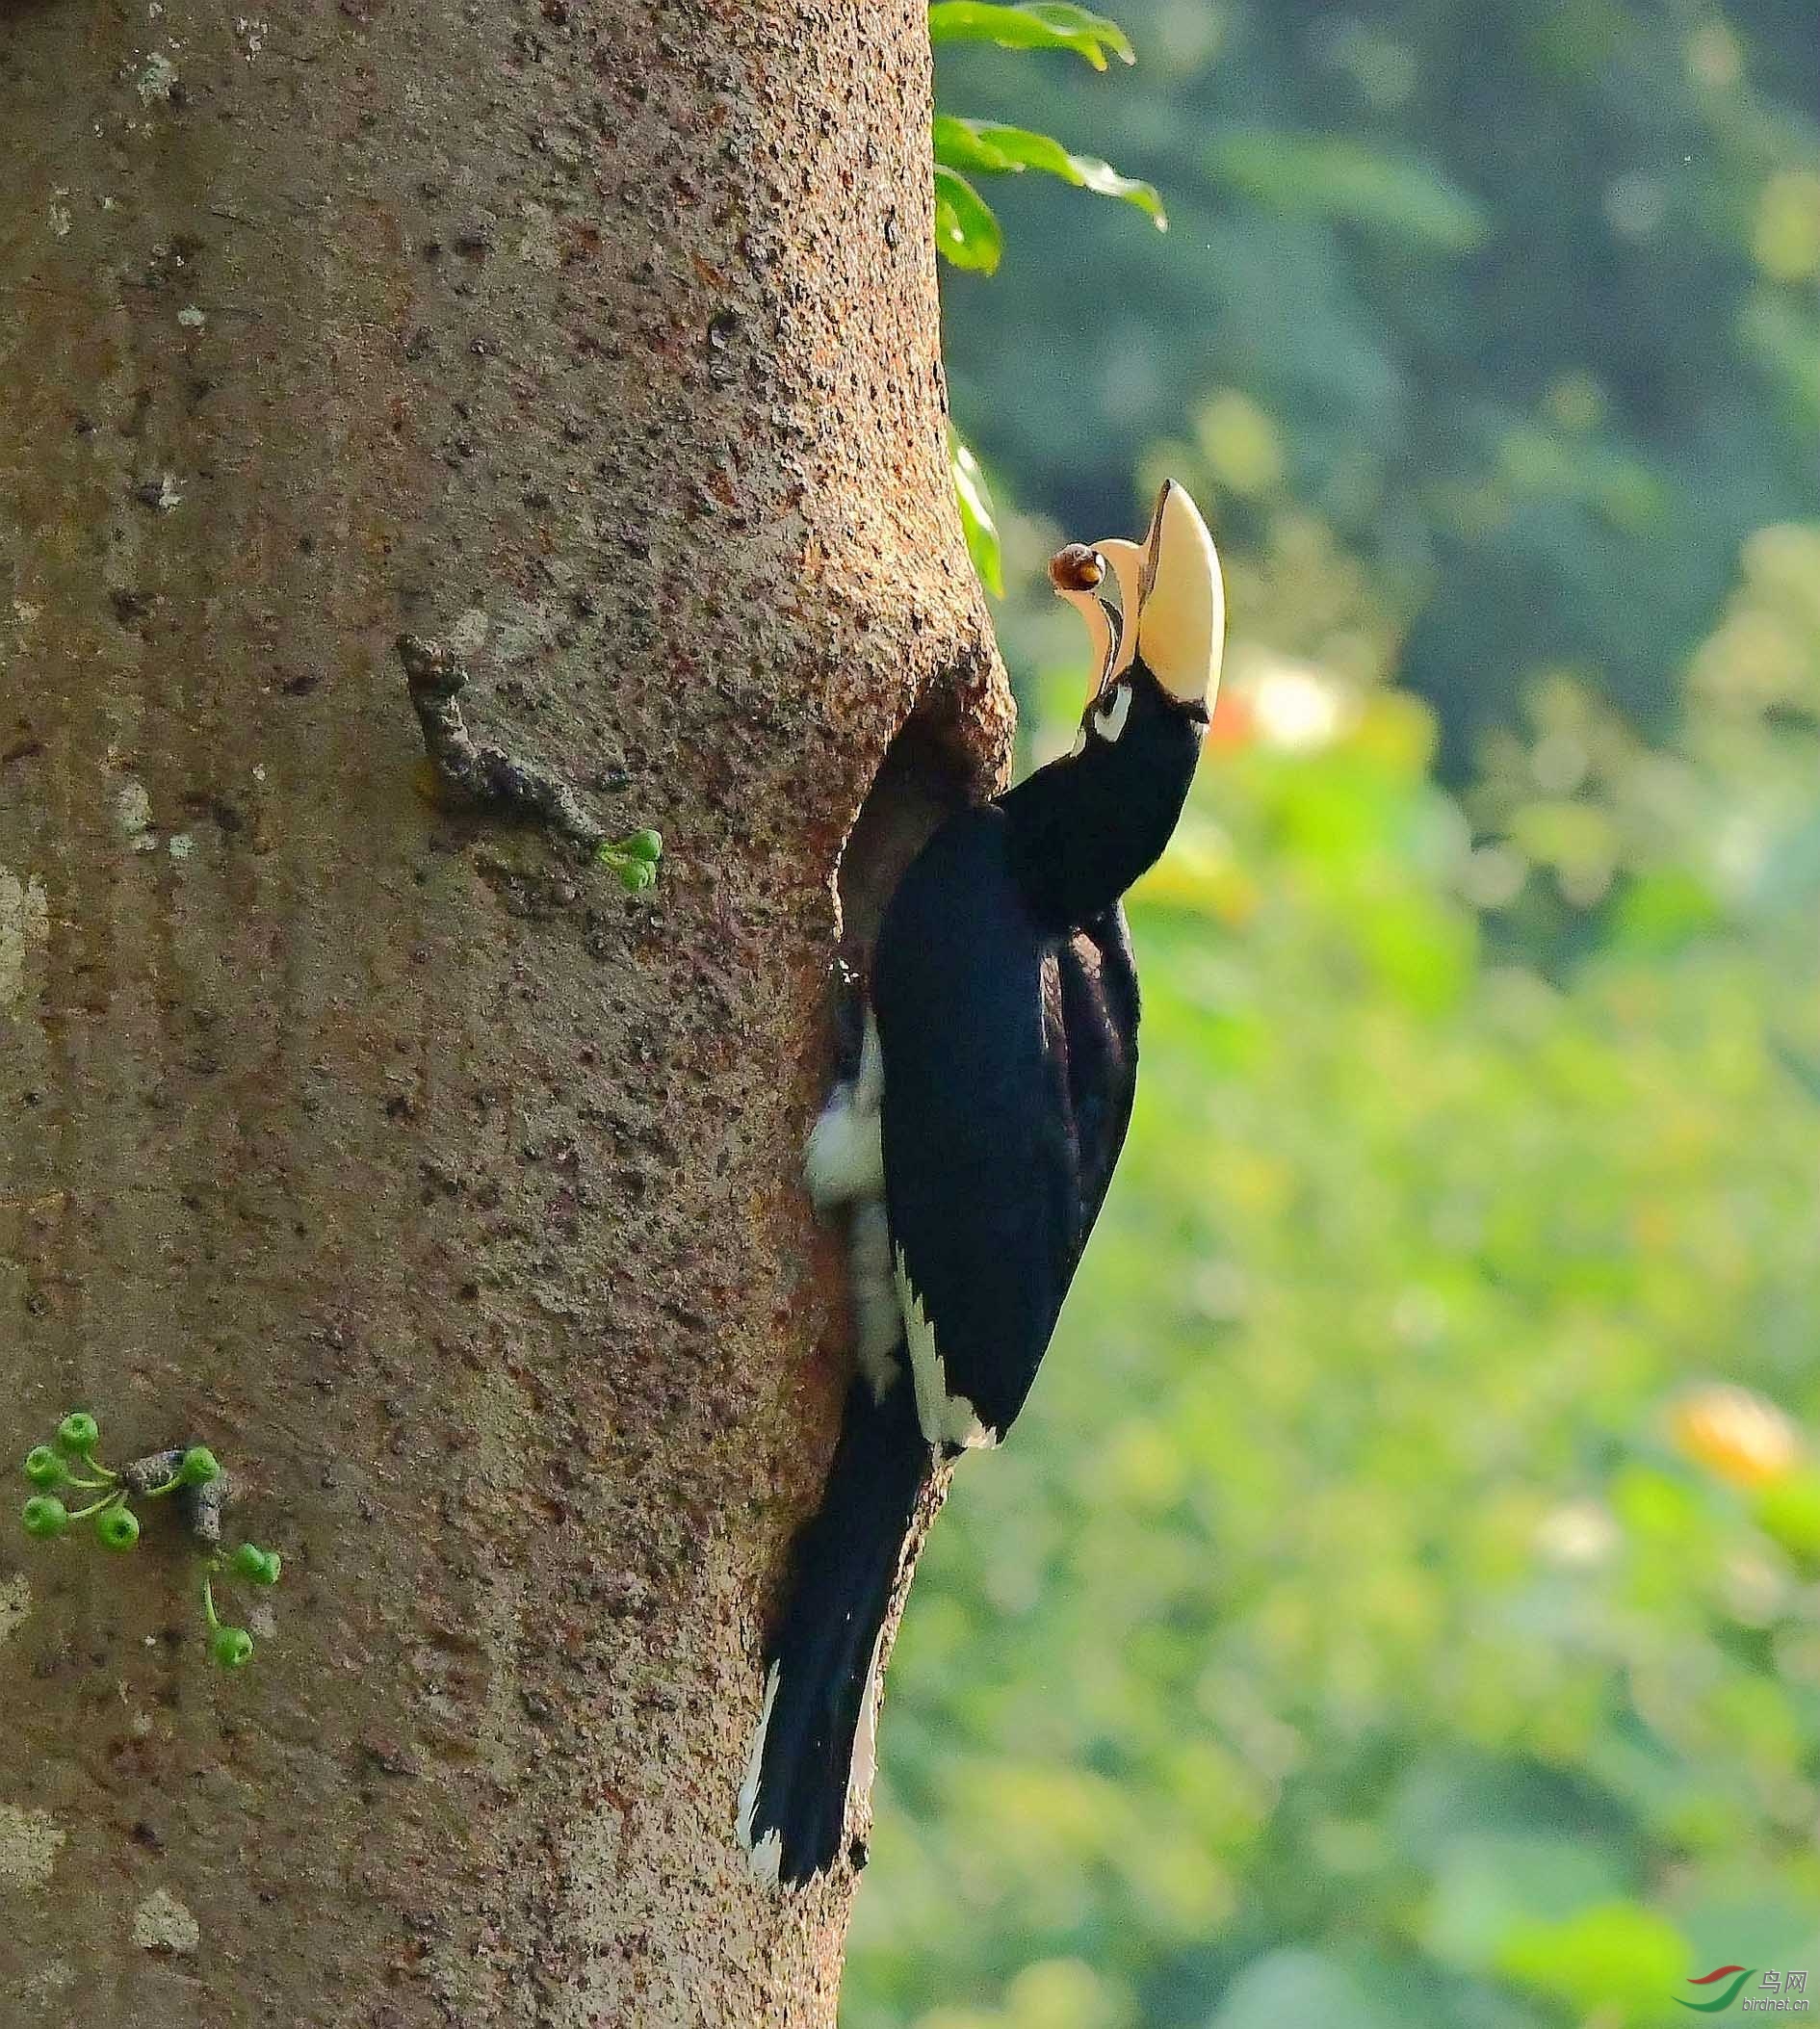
(1098, 981)
(1008, 1071)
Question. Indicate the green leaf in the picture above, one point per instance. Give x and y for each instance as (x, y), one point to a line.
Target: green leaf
(965, 228)
(1036, 24)
(1617, 1959)
(962, 144)
(979, 522)
(985, 146)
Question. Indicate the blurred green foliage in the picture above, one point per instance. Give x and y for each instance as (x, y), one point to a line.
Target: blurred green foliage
(1400, 1602)
(1351, 1635)
(1516, 301)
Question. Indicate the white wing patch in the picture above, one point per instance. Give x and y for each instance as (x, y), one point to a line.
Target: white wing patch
(946, 1418)
(859, 1780)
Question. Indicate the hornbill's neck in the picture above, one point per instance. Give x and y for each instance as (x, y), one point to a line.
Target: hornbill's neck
(1083, 829)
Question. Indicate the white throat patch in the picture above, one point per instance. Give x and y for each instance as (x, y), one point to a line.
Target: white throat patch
(1108, 721)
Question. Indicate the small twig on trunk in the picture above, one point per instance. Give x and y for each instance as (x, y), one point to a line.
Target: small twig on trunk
(488, 774)
(200, 1505)
(202, 1510)
(154, 1470)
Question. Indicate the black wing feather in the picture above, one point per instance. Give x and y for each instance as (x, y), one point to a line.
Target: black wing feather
(1010, 1059)
(1098, 978)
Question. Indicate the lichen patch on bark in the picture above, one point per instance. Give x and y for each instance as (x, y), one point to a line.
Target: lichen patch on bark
(24, 930)
(29, 1841)
(16, 1602)
(162, 1923)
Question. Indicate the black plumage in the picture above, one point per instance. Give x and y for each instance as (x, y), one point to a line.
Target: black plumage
(844, 1567)
(1007, 1009)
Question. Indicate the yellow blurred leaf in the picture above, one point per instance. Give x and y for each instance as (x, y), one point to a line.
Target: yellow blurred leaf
(1737, 1435)
(1785, 235)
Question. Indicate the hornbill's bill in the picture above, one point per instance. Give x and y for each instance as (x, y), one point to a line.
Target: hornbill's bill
(973, 1147)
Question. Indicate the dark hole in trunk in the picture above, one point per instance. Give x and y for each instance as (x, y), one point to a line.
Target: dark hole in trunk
(927, 775)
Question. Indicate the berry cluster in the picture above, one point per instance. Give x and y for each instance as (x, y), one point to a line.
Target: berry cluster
(193, 1473)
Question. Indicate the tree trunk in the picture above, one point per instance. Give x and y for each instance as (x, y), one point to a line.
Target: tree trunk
(448, 1191)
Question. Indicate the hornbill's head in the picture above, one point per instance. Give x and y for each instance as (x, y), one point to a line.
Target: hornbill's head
(1086, 827)
(1170, 619)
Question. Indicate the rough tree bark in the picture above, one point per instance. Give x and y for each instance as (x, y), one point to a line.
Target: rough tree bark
(448, 1191)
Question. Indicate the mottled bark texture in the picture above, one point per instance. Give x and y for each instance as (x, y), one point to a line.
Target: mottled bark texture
(448, 1191)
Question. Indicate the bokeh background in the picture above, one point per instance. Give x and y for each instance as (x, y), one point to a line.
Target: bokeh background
(1400, 1602)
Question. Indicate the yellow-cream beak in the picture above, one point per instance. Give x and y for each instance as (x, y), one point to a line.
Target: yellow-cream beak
(1181, 606)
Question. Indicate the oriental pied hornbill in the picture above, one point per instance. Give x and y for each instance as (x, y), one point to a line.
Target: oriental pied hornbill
(973, 1145)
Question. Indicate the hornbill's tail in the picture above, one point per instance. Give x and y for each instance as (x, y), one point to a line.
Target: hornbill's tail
(813, 1745)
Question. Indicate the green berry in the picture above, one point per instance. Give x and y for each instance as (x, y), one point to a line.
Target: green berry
(78, 1433)
(647, 845)
(43, 1468)
(118, 1527)
(232, 1648)
(45, 1514)
(260, 1567)
(635, 875)
(198, 1466)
